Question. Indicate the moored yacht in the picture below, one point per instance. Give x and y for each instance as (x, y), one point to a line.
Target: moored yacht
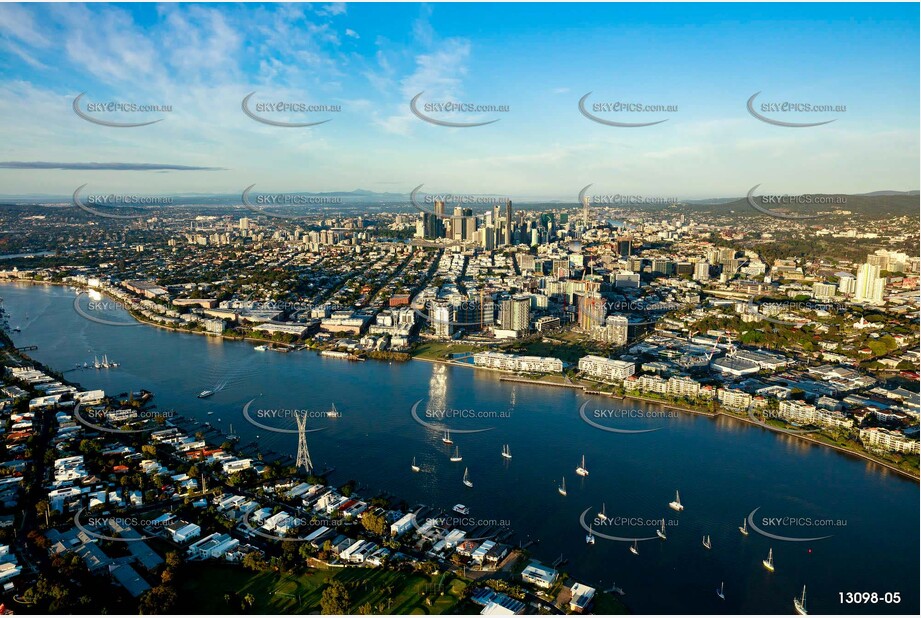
(800, 604)
(582, 470)
(769, 561)
(676, 503)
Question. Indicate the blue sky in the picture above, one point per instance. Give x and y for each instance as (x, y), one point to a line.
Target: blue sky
(538, 59)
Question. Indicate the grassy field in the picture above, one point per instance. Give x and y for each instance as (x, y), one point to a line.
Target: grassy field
(290, 594)
(438, 349)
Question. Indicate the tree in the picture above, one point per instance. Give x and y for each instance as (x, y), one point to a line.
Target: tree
(159, 600)
(335, 599)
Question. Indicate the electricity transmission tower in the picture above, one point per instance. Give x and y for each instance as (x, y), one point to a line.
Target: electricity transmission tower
(303, 454)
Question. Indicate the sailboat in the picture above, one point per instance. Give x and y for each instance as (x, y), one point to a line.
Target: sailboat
(582, 470)
(769, 562)
(634, 549)
(590, 538)
(676, 503)
(707, 541)
(232, 435)
(719, 592)
(414, 467)
(457, 455)
(800, 604)
(506, 452)
(562, 488)
(96, 362)
(333, 412)
(447, 438)
(602, 515)
(661, 531)
(467, 480)
(744, 527)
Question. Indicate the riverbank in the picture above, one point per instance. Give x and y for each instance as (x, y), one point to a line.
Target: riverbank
(670, 406)
(507, 377)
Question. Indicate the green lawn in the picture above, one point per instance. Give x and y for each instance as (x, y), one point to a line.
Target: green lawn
(438, 350)
(288, 594)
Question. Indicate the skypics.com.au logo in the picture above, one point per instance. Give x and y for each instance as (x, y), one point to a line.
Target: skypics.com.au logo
(604, 418)
(288, 528)
(439, 112)
(116, 420)
(783, 527)
(622, 109)
(443, 205)
(258, 203)
(100, 113)
(93, 202)
(435, 419)
(278, 113)
(782, 206)
(103, 310)
(123, 524)
(274, 416)
(775, 108)
(621, 200)
(432, 527)
(621, 528)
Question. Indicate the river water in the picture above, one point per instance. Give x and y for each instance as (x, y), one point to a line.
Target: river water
(723, 468)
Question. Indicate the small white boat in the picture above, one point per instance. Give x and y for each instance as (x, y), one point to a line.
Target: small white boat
(706, 541)
(582, 470)
(661, 531)
(333, 412)
(204, 394)
(634, 549)
(590, 538)
(414, 467)
(457, 455)
(769, 561)
(800, 604)
(460, 508)
(676, 503)
(506, 452)
(744, 527)
(467, 480)
(602, 515)
(210, 412)
(447, 438)
(719, 592)
(562, 488)
(261, 348)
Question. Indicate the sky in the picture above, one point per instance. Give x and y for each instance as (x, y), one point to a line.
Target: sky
(539, 60)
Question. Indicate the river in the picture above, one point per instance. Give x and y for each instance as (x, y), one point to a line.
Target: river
(723, 468)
